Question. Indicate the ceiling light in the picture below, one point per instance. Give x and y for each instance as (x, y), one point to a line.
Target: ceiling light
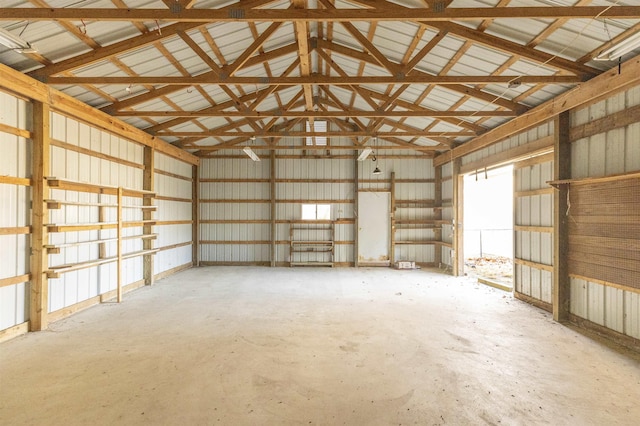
(619, 49)
(365, 153)
(377, 171)
(247, 150)
(14, 42)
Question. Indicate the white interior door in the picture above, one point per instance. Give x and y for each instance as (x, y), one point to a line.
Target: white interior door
(374, 228)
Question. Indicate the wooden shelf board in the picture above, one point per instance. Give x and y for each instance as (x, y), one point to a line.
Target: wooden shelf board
(311, 264)
(70, 185)
(56, 271)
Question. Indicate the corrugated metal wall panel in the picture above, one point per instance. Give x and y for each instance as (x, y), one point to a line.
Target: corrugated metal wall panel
(173, 210)
(15, 161)
(234, 212)
(614, 309)
(520, 139)
(77, 286)
(578, 304)
(612, 152)
(632, 314)
(306, 177)
(536, 211)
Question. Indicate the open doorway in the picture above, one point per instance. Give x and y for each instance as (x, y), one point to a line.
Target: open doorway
(488, 225)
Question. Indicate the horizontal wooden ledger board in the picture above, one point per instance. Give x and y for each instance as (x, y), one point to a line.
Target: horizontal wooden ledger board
(604, 231)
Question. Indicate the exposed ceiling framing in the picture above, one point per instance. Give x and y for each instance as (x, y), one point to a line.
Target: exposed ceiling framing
(421, 75)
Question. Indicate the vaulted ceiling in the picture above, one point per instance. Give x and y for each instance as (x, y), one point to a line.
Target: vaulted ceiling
(210, 75)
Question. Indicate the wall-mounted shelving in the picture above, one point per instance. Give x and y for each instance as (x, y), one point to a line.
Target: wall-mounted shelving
(427, 217)
(311, 243)
(100, 225)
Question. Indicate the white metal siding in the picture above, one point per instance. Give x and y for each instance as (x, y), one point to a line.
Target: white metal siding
(613, 152)
(302, 174)
(171, 210)
(14, 210)
(236, 168)
(77, 286)
(537, 247)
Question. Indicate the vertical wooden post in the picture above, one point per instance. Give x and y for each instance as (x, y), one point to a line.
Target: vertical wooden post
(356, 186)
(458, 218)
(39, 294)
(119, 247)
(437, 215)
(102, 217)
(195, 215)
(272, 195)
(392, 221)
(148, 184)
(561, 170)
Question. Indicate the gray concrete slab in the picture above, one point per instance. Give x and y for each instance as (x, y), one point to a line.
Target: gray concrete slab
(260, 346)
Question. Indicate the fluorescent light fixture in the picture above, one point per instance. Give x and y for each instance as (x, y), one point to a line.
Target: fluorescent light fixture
(365, 153)
(619, 49)
(247, 150)
(14, 42)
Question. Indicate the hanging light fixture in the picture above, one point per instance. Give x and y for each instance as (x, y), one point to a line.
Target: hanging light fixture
(365, 153)
(247, 150)
(15, 43)
(377, 170)
(619, 49)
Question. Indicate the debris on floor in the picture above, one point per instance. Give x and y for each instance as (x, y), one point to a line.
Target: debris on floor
(497, 268)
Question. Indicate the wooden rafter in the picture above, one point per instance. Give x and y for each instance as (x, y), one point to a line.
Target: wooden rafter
(391, 12)
(211, 78)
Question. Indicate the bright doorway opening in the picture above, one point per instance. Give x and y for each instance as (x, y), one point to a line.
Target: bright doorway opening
(488, 225)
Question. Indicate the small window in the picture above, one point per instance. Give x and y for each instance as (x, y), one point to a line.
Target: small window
(318, 126)
(316, 212)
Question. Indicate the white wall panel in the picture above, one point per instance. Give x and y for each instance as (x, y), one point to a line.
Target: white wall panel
(612, 152)
(74, 287)
(632, 314)
(289, 196)
(14, 210)
(534, 210)
(514, 141)
(172, 210)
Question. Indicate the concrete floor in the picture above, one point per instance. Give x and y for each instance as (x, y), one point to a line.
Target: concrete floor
(259, 346)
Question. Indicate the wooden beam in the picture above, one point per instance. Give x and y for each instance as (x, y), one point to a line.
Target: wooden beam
(195, 215)
(392, 219)
(273, 210)
(533, 148)
(600, 87)
(39, 293)
(561, 170)
(119, 252)
(128, 45)
(460, 88)
(304, 133)
(239, 14)
(317, 147)
(437, 199)
(217, 112)
(148, 184)
(497, 43)
(413, 78)
(458, 220)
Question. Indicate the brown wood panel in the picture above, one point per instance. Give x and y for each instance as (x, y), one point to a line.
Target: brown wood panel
(604, 230)
(618, 194)
(613, 253)
(615, 243)
(605, 209)
(622, 230)
(616, 261)
(604, 273)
